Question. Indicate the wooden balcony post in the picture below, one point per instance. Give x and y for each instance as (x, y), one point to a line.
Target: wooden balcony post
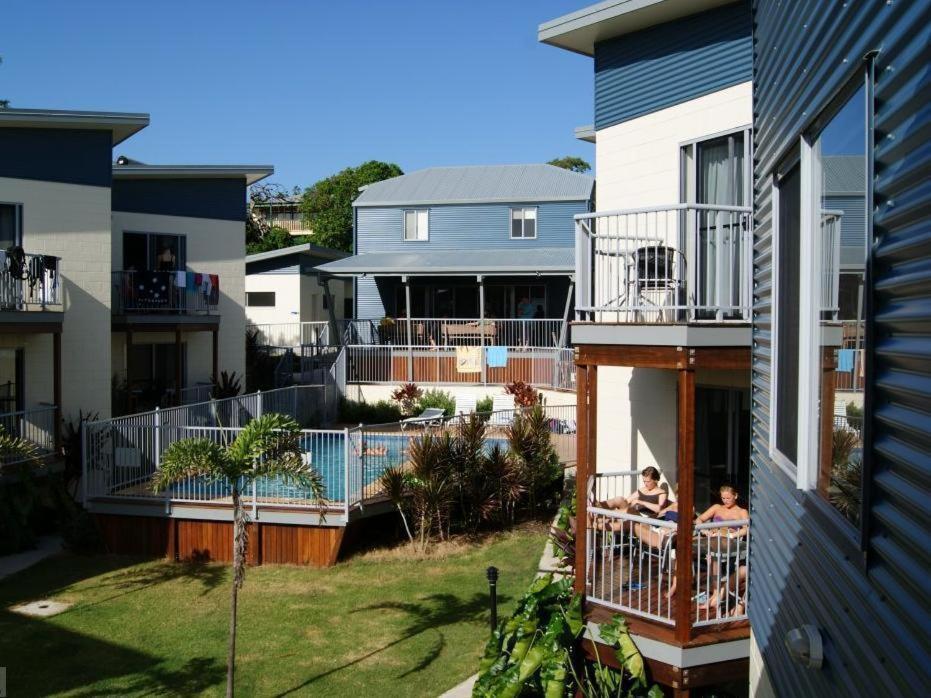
(178, 372)
(586, 423)
(481, 324)
(410, 337)
(685, 421)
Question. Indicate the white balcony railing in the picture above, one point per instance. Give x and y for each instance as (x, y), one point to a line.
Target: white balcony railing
(36, 425)
(667, 264)
(29, 281)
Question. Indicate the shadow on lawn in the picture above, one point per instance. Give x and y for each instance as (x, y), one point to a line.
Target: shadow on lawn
(77, 663)
(434, 613)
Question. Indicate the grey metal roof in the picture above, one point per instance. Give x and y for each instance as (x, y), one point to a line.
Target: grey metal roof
(122, 124)
(844, 174)
(479, 184)
(547, 261)
(306, 248)
(138, 170)
(579, 31)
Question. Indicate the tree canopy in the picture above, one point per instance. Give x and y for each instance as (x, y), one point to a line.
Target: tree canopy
(571, 163)
(260, 236)
(327, 205)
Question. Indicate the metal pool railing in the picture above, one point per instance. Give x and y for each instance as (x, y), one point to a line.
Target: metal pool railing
(36, 425)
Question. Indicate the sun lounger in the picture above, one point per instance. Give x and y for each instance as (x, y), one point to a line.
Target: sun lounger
(431, 415)
(465, 405)
(502, 410)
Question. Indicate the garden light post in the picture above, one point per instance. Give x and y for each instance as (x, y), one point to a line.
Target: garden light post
(492, 574)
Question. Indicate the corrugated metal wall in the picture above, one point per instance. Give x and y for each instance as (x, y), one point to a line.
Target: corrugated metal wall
(875, 621)
(467, 226)
(671, 63)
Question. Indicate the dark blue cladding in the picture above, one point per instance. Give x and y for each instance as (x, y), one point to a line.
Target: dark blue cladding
(222, 199)
(72, 156)
(643, 72)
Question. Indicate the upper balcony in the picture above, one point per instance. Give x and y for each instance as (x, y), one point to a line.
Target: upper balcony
(673, 275)
(150, 297)
(30, 290)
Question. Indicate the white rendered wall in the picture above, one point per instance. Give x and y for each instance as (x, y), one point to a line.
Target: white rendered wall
(287, 288)
(73, 222)
(636, 420)
(213, 247)
(637, 162)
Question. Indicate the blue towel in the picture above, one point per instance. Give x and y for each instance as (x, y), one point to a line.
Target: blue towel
(496, 357)
(845, 360)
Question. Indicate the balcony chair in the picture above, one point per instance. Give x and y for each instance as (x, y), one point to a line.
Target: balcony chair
(655, 279)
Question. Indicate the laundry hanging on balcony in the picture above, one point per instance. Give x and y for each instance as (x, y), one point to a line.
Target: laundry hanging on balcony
(496, 357)
(469, 359)
(845, 360)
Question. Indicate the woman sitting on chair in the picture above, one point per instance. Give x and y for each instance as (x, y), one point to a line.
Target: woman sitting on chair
(649, 499)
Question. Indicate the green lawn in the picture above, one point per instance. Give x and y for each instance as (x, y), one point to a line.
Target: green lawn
(384, 623)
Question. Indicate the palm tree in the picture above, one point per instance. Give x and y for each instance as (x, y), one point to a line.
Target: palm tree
(268, 446)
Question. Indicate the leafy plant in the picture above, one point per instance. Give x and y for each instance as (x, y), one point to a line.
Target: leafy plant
(19, 493)
(260, 364)
(407, 395)
(437, 398)
(562, 533)
(524, 395)
(431, 483)
(361, 412)
(485, 405)
(72, 448)
(845, 494)
(529, 441)
(536, 650)
(229, 385)
(396, 485)
(268, 446)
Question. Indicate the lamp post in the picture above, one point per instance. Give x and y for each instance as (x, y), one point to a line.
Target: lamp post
(492, 574)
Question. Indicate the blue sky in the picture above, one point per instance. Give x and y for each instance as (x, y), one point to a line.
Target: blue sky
(310, 87)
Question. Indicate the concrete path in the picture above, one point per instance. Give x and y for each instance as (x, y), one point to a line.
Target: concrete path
(11, 564)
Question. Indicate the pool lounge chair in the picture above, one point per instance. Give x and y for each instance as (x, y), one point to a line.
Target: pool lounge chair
(502, 410)
(465, 405)
(430, 416)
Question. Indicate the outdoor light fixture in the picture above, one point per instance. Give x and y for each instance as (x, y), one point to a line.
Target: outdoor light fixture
(805, 647)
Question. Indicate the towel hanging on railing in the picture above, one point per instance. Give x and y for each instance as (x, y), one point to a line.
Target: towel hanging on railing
(496, 357)
(845, 360)
(469, 359)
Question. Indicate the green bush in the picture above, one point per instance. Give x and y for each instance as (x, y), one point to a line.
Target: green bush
(437, 398)
(486, 404)
(361, 412)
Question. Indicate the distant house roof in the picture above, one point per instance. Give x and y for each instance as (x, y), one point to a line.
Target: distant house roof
(844, 174)
(579, 31)
(126, 168)
(479, 184)
(307, 248)
(122, 124)
(547, 261)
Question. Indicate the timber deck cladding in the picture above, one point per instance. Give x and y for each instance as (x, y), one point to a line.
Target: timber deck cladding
(188, 539)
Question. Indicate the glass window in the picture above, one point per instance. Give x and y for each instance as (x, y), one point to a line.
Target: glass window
(260, 299)
(153, 252)
(11, 225)
(839, 166)
(523, 222)
(416, 224)
(786, 358)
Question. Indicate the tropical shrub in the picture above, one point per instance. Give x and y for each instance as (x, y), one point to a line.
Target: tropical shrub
(529, 442)
(524, 395)
(535, 652)
(407, 395)
(485, 405)
(361, 412)
(437, 398)
(229, 385)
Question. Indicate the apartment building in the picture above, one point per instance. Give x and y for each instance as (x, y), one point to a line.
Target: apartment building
(662, 330)
(90, 275)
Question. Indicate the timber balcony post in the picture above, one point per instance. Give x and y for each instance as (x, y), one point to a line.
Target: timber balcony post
(685, 421)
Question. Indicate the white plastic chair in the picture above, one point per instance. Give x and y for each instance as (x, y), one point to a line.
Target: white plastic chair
(502, 410)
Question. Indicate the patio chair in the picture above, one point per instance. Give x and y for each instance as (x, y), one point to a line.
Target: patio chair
(655, 280)
(502, 410)
(465, 405)
(431, 416)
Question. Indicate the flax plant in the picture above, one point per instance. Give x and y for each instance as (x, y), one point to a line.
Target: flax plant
(269, 446)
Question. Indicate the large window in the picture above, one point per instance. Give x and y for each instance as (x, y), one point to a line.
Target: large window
(11, 225)
(523, 223)
(154, 252)
(821, 250)
(417, 224)
(260, 299)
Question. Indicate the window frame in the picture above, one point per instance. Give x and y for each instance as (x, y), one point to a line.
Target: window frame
(523, 221)
(688, 164)
(18, 220)
(806, 472)
(261, 305)
(416, 212)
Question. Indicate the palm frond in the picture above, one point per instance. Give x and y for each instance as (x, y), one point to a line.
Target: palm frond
(14, 449)
(265, 436)
(192, 458)
(395, 483)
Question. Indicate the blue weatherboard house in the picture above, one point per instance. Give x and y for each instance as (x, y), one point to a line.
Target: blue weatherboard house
(493, 241)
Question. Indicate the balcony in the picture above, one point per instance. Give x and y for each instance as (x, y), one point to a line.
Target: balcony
(677, 265)
(153, 297)
(30, 287)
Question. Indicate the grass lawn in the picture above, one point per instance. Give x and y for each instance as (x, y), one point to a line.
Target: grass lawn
(383, 623)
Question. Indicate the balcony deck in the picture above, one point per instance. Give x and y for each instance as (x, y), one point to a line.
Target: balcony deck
(165, 299)
(30, 293)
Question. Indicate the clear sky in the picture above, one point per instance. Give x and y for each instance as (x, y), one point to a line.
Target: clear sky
(309, 87)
